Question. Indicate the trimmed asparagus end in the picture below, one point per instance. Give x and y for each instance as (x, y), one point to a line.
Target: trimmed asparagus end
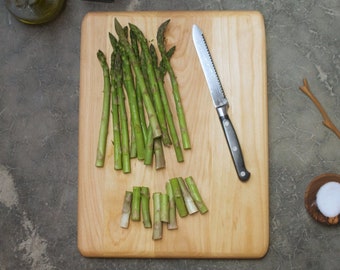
(189, 202)
(164, 207)
(145, 199)
(135, 209)
(179, 201)
(158, 226)
(195, 194)
(172, 224)
(126, 210)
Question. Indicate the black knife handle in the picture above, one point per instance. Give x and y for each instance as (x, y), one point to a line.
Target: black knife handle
(233, 144)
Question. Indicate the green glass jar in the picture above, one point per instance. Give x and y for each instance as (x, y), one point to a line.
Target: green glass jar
(35, 11)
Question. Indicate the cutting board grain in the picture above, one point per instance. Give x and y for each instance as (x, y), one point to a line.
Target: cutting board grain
(237, 224)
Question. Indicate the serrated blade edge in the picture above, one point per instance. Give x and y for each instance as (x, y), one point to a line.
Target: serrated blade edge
(208, 67)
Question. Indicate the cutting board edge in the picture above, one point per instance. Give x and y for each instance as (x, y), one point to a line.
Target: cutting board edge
(92, 253)
(174, 14)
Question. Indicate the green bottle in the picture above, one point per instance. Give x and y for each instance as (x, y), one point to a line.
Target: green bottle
(35, 11)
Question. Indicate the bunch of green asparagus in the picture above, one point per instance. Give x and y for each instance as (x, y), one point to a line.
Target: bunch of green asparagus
(181, 196)
(136, 72)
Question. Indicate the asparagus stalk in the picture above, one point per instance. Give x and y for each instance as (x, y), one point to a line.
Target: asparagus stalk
(157, 226)
(145, 74)
(153, 83)
(167, 110)
(149, 147)
(134, 44)
(172, 224)
(134, 112)
(115, 117)
(179, 201)
(189, 202)
(140, 81)
(162, 67)
(164, 207)
(122, 116)
(135, 207)
(102, 140)
(145, 199)
(133, 144)
(126, 210)
(195, 194)
(174, 84)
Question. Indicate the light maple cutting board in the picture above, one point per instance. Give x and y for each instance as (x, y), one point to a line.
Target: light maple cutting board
(237, 224)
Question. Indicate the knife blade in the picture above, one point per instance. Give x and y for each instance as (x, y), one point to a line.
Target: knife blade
(220, 102)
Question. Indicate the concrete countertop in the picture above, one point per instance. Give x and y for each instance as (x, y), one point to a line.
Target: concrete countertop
(39, 87)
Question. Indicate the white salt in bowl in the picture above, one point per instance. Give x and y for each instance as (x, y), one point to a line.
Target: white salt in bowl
(313, 197)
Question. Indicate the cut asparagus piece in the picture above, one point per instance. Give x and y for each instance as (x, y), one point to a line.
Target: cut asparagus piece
(135, 205)
(126, 210)
(172, 224)
(164, 207)
(195, 194)
(179, 201)
(189, 202)
(145, 202)
(157, 231)
(159, 154)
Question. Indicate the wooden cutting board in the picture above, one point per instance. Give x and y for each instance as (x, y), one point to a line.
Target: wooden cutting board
(237, 224)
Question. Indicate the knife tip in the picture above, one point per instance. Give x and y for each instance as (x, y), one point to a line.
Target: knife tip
(195, 28)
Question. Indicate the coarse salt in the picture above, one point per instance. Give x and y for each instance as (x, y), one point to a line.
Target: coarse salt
(328, 199)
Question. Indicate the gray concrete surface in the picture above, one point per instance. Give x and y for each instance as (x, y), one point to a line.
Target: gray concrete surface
(39, 87)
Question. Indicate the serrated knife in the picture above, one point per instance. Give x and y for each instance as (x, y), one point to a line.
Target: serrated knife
(220, 102)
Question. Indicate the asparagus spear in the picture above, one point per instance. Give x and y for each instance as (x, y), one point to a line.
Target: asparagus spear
(134, 112)
(135, 207)
(115, 118)
(102, 140)
(115, 110)
(149, 147)
(172, 224)
(189, 202)
(153, 83)
(179, 201)
(140, 81)
(175, 88)
(133, 145)
(125, 217)
(145, 74)
(164, 207)
(162, 67)
(123, 117)
(195, 194)
(145, 199)
(157, 226)
(134, 44)
(167, 110)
